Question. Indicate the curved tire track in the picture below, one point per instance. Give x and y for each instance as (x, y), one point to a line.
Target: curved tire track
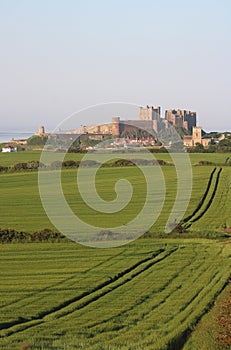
(102, 289)
(208, 205)
(203, 199)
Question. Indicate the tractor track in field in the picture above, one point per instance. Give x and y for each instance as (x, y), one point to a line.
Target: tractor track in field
(50, 287)
(199, 294)
(147, 313)
(203, 199)
(103, 288)
(187, 222)
(143, 300)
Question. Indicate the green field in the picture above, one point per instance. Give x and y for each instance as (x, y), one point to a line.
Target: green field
(148, 294)
(8, 159)
(21, 208)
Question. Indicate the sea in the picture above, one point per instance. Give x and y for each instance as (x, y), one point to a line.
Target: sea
(7, 136)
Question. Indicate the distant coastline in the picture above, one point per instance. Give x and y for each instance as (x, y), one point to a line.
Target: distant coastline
(7, 136)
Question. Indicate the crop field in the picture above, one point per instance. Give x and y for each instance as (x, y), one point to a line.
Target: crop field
(146, 295)
(21, 207)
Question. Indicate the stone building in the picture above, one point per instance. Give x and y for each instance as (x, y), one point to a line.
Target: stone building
(196, 138)
(149, 121)
(181, 119)
(149, 113)
(41, 132)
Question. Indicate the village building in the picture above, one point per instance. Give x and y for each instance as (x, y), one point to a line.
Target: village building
(196, 138)
(9, 148)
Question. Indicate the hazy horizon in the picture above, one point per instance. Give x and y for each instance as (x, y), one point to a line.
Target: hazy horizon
(58, 57)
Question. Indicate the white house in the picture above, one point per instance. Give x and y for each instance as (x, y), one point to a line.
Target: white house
(9, 148)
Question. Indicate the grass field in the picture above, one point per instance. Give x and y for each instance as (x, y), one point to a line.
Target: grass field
(148, 294)
(8, 159)
(21, 208)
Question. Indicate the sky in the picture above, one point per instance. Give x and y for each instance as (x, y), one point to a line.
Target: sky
(59, 56)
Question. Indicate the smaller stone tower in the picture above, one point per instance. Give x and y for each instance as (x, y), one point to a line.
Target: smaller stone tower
(41, 130)
(197, 135)
(116, 126)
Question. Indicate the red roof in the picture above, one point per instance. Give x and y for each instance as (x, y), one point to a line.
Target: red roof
(8, 146)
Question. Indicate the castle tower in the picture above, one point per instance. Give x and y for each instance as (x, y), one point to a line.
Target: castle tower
(149, 113)
(41, 130)
(116, 126)
(197, 135)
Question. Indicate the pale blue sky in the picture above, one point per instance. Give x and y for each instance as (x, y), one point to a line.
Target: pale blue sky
(58, 56)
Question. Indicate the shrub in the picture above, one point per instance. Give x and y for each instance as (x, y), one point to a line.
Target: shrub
(11, 236)
(45, 235)
(69, 164)
(3, 169)
(33, 165)
(20, 166)
(122, 162)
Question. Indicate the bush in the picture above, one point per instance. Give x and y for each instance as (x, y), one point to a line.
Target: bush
(11, 236)
(20, 166)
(33, 165)
(122, 162)
(69, 164)
(3, 169)
(45, 235)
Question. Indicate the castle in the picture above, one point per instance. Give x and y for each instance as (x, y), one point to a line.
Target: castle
(149, 122)
(149, 119)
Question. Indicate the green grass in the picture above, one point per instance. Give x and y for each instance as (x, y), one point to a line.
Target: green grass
(218, 216)
(204, 337)
(142, 296)
(21, 207)
(145, 295)
(8, 159)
